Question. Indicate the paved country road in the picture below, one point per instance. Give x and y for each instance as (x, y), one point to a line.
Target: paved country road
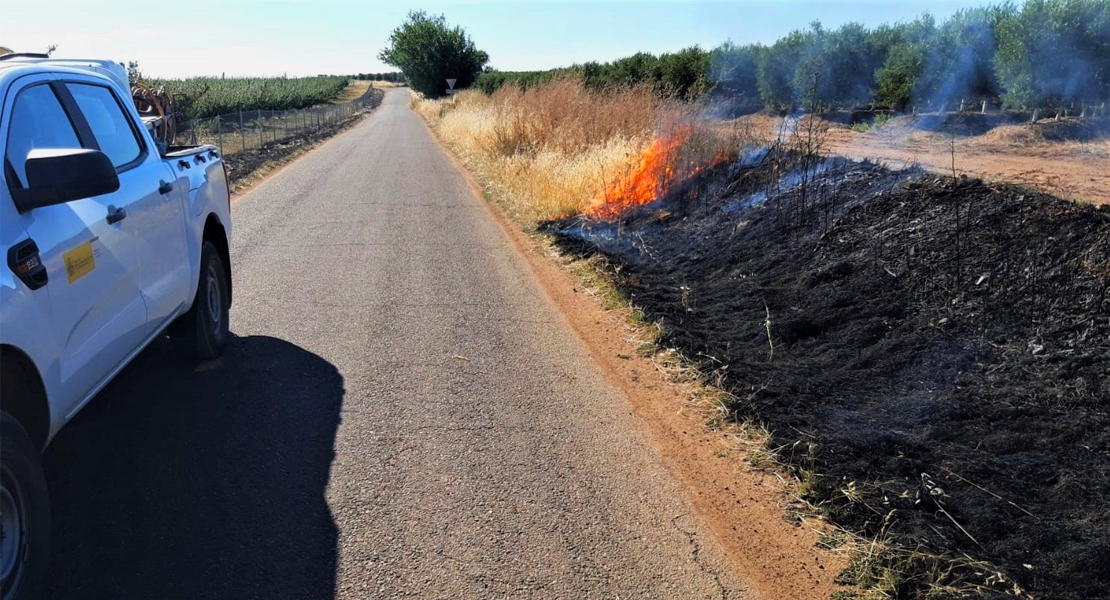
(403, 414)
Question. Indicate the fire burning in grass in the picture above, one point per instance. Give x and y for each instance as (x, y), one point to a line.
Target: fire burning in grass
(657, 170)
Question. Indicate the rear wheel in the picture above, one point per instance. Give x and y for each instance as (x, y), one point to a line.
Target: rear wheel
(202, 333)
(24, 515)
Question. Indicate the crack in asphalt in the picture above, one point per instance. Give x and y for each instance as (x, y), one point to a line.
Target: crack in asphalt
(696, 554)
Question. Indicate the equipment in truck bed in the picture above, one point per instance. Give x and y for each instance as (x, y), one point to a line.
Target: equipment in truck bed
(156, 110)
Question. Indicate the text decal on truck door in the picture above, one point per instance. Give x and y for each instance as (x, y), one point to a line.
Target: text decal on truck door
(79, 261)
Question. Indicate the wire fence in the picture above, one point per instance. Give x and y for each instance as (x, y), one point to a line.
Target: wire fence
(252, 129)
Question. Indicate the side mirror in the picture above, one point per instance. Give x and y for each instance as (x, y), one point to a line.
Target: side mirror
(58, 176)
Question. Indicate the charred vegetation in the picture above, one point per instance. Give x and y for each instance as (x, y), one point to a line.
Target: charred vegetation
(940, 349)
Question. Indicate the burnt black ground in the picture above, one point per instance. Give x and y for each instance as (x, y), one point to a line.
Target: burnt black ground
(941, 350)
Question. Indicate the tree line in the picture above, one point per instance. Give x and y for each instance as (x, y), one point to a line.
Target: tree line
(394, 76)
(1045, 54)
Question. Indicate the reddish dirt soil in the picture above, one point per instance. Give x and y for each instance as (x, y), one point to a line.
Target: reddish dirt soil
(1074, 170)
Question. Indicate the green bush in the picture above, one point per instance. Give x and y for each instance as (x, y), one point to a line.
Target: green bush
(491, 81)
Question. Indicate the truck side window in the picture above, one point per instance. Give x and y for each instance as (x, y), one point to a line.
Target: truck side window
(109, 124)
(38, 121)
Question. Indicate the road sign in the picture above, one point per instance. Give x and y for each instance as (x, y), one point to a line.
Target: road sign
(451, 83)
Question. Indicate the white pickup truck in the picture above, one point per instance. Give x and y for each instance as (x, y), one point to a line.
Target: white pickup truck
(109, 244)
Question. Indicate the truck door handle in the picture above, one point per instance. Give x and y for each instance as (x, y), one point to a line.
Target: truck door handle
(115, 215)
(164, 187)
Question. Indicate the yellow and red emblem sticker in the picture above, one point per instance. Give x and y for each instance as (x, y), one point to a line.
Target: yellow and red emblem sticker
(79, 261)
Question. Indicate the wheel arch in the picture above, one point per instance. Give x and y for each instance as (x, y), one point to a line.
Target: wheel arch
(23, 393)
(215, 232)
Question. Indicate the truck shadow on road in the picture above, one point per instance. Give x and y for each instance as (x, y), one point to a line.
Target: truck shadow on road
(177, 483)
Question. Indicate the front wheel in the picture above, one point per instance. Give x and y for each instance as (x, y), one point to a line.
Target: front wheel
(203, 331)
(24, 515)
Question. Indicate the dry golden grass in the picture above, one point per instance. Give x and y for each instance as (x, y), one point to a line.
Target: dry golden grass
(1030, 138)
(548, 151)
(354, 90)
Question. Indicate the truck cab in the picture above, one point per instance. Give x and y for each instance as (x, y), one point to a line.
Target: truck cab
(109, 243)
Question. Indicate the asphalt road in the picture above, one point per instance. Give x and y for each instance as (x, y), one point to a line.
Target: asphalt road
(403, 413)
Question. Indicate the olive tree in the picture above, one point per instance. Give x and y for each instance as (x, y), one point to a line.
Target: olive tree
(429, 52)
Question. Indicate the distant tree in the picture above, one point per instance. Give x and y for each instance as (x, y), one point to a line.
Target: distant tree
(776, 72)
(899, 75)
(959, 64)
(429, 52)
(734, 71)
(1055, 52)
(134, 74)
(684, 74)
(810, 83)
(853, 58)
(638, 68)
(904, 49)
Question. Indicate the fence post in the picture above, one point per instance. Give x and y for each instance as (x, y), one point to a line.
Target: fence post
(242, 134)
(259, 117)
(219, 134)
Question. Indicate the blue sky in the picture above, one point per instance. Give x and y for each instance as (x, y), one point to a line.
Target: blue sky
(302, 37)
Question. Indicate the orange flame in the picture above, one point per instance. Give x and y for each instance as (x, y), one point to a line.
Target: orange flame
(648, 179)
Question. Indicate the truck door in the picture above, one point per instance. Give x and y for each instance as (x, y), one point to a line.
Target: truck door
(98, 316)
(156, 206)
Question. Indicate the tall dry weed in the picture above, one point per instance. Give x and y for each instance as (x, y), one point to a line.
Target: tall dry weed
(546, 152)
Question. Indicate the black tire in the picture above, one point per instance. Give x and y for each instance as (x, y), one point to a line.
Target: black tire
(202, 333)
(26, 522)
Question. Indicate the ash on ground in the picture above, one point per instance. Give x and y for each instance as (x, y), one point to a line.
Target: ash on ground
(941, 348)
